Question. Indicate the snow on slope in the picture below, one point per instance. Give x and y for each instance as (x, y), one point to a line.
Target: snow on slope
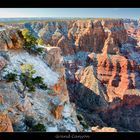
(80, 56)
(131, 53)
(17, 58)
(2, 29)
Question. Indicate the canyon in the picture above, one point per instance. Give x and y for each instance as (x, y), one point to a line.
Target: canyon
(91, 68)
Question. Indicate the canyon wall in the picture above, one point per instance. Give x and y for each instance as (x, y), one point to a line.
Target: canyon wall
(97, 64)
(51, 107)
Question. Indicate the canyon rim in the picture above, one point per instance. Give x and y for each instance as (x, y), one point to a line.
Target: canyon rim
(69, 75)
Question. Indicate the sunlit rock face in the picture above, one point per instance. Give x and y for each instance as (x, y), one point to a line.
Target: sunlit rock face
(104, 129)
(116, 72)
(5, 125)
(74, 35)
(94, 63)
(51, 107)
(102, 65)
(54, 59)
(83, 35)
(10, 39)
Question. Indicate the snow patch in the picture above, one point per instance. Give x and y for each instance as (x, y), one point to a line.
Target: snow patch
(131, 53)
(69, 125)
(2, 29)
(50, 77)
(67, 111)
(52, 129)
(135, 56)
(80, 56)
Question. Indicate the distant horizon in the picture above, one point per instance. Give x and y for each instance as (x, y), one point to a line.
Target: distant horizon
(67, 18)
(124, 13)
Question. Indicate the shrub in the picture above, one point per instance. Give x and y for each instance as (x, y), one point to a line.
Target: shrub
(48, 45)
(84, 124)
(80, 117)
(27, 79)
(36, 50)
(29, 82)
(39, 82)
(27, 68)
(11, 77)
(82, 121)
(29, 121)
(40, 41)
(30, 42)
(29, 39)
(39, 127)
(43, 86)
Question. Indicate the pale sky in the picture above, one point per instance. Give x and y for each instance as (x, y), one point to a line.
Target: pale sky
(70, 12)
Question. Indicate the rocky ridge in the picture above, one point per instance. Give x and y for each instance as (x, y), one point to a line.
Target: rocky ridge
(99, 72)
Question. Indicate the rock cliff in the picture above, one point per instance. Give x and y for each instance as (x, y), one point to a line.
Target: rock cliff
(92, 63)
(50, 108)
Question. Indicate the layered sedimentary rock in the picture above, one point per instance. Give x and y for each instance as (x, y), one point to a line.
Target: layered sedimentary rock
(116, 35)
(116, 72)
(104, 129)
(110, 74)
(50, 108)
(89, 89)
(133, 30)
(100, 74)
(82, 35)
(5, 123)
(10, 39)
(73, 36)
(55, 60)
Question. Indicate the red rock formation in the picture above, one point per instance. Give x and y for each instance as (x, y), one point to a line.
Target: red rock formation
(89, 35)
(5, 123)
(16, 39)
(57, 112)
(85, 35)
(97, 35)
(116, 72)
(64, 43)
(3, 62)
(74, 36)
(104, 129)
(10, 39)
(55, 60)
(116, 34)
(111, 76)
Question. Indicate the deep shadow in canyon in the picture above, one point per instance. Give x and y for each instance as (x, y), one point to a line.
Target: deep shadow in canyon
(122, 114)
